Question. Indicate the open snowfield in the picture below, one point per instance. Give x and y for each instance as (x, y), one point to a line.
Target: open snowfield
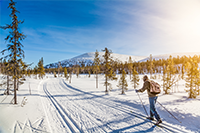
(57, 106)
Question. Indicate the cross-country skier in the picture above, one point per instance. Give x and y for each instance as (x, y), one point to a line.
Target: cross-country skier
(152, 100)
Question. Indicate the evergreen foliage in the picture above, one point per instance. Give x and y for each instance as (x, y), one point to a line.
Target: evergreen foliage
(169, 77)
(14, 47)
(96, 66)
(192, 79)
(122, 82)
(65, 73)
(7, 81)
(40, 69)
(108, 70)
(130, 66)
(135, 78)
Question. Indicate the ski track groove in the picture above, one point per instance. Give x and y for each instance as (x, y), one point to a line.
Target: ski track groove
(64, 116)
(100, 102)
(127, 110)
(84, 110)
(93, 118)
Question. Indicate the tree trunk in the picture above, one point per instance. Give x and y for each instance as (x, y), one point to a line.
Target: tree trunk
(96, 80)
(8, 85)
(15, 91)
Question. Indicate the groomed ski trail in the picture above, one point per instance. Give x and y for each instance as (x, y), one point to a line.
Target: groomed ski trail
(69, 109)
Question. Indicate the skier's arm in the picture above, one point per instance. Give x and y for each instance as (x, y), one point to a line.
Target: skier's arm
(145, 86)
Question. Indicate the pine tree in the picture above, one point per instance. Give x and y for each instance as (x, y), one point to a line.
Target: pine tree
(164, 76)
(96, 65)
(41, 70)
(108, 71)
(135, 78)
(168, 79)
(65, 73)
(192, 79)
(14, 47)
(122, 82)
(151, 66)
(59, 68)
(130, 66)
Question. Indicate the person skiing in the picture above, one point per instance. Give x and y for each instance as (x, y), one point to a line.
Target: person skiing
(152, 100)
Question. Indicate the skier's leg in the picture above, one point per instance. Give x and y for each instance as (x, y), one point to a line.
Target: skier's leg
(151, 106)
(152, 101)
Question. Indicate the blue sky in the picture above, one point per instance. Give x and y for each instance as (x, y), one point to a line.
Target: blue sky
(62, 29)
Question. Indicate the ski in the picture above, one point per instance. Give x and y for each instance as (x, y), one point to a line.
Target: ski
(154, 122)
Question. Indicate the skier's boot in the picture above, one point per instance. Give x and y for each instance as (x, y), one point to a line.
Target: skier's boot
(158, 122)
(150, 118)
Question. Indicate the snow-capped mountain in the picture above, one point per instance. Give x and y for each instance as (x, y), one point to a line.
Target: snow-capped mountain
(88, 58)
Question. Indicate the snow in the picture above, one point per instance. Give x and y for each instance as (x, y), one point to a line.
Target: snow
(57, 106)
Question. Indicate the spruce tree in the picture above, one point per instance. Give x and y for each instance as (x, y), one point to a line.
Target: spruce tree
(108, 71)
(169, 80)
(21, 73)
(130, 66)
(41, 70)
(192, 79)
(14, 47)
(151, 65)
(65, 73)
(122, 82)
(135, 78)
(96, 66)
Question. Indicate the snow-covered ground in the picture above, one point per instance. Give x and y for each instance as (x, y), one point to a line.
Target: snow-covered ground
(57, 106)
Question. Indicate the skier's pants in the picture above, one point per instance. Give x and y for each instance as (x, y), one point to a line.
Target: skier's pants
(153, 112)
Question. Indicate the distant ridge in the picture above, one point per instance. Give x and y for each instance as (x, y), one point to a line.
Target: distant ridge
(165, 56)
(88, 58)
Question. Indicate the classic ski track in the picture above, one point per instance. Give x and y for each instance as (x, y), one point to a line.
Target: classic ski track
(127, 110)
(100, 102)
(93, 118)
(64, 116)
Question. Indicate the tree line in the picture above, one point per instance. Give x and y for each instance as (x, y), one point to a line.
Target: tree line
(170, 71)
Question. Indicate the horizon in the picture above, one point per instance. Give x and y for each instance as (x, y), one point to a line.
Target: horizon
(59, 30)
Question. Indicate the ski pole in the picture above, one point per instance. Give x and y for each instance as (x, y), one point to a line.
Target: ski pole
(142, 104)
(169, 112)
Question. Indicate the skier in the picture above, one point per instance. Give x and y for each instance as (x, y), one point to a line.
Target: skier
(152, 100)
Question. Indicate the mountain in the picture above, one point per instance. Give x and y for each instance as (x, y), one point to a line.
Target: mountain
(88, 58)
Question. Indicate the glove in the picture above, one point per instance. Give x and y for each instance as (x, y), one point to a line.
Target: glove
(136, 91)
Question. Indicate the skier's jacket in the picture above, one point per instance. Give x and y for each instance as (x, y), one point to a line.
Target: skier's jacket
(146, 86)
